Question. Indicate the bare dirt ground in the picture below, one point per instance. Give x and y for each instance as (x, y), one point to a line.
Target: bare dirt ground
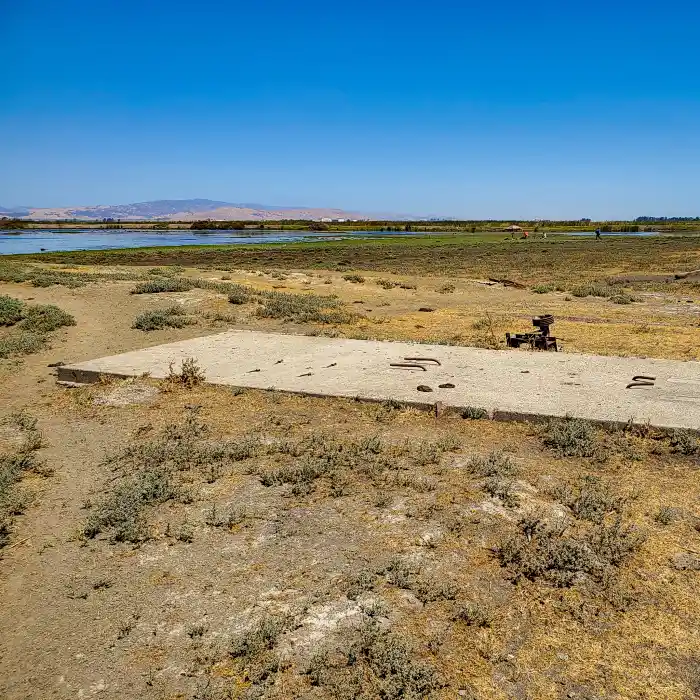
(174, 542)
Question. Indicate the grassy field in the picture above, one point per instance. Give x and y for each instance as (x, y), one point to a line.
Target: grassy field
(481, 256)
(168, 539)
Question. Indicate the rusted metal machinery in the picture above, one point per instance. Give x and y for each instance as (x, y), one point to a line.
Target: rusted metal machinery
(539, 340)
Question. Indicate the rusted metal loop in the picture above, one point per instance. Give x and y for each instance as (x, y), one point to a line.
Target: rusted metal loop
(642, 377)
(633, 384)
(407, 365)
(423, 359)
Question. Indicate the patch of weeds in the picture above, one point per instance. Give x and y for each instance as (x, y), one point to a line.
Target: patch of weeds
(502, 489)
(542, 288)
(542, 550)
(31, 325)
(474, 413)
(571, 437)
(170, 317)
(11, 310)
(303, 308)
(623, 298)
(197, 631)
(185, 533)
(304, 472)
(406, 285)
(417, 482)
(165, 284)
(387, 667)
(404, 574)
(386, 284)
(590, 498)
(665, 515)
(261, 637)
(360, 583)
(190, 374)
(683, 442)
(429, 590)
(425, 453)
(121, 511)
(447, 288)
(356, 279)
(595, 289)
(239, 296)
(44, 318)
(401, 573)
(317, 668)
(488, 338)
(494, 464)
(615, 542)
(21, 343)
(474, 615)
(13, 466)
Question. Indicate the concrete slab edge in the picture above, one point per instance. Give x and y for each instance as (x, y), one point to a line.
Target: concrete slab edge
(74, 377)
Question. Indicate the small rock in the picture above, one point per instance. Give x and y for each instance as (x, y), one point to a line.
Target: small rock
(56, 364)
(427, 309)
(563, 657)
(423, 387)
(684, 561)
(447, 385)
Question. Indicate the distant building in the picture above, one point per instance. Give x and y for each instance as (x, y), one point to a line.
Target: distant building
(326, 220)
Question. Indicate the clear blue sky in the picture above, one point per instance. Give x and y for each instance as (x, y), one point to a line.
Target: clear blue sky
(474, 109)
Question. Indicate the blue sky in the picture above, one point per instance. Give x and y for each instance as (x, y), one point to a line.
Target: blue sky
(471, 109)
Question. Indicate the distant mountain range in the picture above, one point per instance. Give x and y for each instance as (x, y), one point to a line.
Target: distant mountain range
(191, 210)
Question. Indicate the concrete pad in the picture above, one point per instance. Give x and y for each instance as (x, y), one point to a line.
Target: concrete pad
(508, 383)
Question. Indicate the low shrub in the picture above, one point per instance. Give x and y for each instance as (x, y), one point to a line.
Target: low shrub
(10, 311)
(571, 437)
(595, 289)
(474, 413)
(495, 464)
(356, 279)
(190, 374)
(165, 284)
(157, 319)
(42, 318)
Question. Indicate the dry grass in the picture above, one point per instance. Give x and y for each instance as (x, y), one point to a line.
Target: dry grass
(424, 594)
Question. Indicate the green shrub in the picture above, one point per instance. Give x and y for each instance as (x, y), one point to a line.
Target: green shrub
(121, 511)
(571, 437)
(595, 289)
(32, 324)
(474, 413)
(21, 343)
(303, 308)
(45, 318)
(622, 298)
(590, 498)
(356, 279)
(495, 464)
(387, 284)
(10, 311)
(157, 286)
(171, 317)
(239, 296)
(542, 288)
(684, 443)
(190, 374)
